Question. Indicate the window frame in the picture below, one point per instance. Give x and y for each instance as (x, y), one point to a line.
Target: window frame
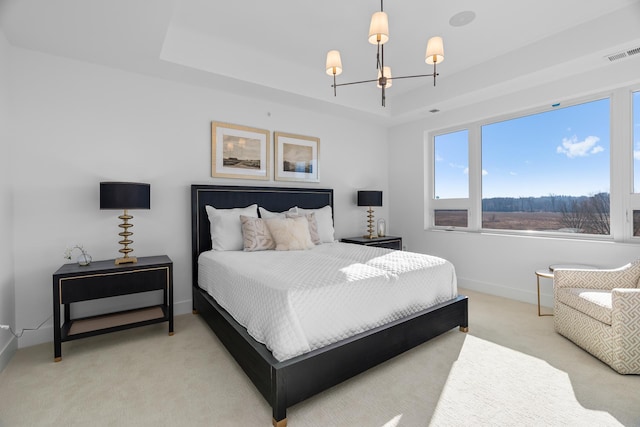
(622, 199)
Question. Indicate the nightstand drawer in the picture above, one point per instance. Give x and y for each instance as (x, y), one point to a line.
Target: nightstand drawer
(82, 288)
(388, 242)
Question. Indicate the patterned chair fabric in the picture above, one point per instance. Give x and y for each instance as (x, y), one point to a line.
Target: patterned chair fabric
(599, 310)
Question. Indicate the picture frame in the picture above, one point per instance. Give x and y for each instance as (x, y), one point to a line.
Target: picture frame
(240, 152)
(297, 157)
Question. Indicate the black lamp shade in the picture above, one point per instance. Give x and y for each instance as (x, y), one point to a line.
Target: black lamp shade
(125, 195)
(369, 198)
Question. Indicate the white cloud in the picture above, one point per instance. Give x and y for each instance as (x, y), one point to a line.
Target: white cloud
(636, 154)
(466, 171)
(456, 166)
(439, 158)
(513, 173)
(574, 148)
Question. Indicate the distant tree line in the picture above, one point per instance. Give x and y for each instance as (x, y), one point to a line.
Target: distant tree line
(583, 214)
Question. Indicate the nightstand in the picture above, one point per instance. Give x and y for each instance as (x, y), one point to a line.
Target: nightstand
(389, 242)
(102, 279)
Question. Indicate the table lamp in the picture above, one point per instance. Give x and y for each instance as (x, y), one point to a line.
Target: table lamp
(125, 196)
(370, 198)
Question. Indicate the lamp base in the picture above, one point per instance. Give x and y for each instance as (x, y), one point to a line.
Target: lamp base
(126, 260)
(371, 234)
(125, 242)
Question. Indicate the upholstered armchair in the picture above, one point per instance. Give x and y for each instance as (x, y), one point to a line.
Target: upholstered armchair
(599, 310)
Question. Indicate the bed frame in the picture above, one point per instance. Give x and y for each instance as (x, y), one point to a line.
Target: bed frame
(283, 384)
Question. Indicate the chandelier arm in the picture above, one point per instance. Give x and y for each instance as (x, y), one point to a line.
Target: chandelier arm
(411, 77)
(376, 80)
(355, 83)
(383, 97)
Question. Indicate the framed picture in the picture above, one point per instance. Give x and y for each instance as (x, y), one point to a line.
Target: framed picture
(296, 157)
(239, 152)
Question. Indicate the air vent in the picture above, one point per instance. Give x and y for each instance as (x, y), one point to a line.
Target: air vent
(623, 54)
(633, 51)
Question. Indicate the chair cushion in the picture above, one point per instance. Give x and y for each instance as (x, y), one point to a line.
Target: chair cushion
(592, 302)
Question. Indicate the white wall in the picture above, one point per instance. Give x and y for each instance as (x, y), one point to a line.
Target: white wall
(492, 263)
(7, 288)
(78, 124)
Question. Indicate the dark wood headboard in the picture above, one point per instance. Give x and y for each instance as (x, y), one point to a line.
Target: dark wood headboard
(276, 199)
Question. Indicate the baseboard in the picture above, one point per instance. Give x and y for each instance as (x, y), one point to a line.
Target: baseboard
(528, 296)
(45, 333)
(182, 307)
(7, 352)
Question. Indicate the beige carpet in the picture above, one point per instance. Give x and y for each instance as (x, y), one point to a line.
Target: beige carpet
(512, 369)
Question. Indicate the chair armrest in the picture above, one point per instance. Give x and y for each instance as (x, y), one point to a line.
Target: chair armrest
(623, 277)
(630, 297)
(625, 314)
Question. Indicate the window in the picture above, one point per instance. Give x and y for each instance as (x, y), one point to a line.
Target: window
(451, 218)
(635, 135)
(543, 172)
(451, 165)
(548, 171)
(451, 179)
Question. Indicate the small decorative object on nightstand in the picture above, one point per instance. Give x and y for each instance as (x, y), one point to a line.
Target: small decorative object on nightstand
(382, 227)
(83, 259)
(389, 242)
(125, 196)
(370, 198)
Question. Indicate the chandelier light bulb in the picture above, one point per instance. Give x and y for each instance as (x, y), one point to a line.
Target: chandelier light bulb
(334, 63)
(435, 51)
(379, 28)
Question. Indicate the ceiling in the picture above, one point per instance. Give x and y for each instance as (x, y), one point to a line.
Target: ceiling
(276, 49)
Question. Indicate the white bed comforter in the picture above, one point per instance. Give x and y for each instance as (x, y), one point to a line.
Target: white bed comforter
(298, 301)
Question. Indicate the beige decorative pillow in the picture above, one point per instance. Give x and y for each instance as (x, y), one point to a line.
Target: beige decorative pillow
(255, 234)
(290, 234)
(313, 225)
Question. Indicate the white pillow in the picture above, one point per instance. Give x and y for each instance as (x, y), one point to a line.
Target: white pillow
(324, 218)
(268, 214)
(225, 227)
(290, 234)
(256, 235)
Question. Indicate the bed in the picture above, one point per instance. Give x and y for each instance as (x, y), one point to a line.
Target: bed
(283, 383)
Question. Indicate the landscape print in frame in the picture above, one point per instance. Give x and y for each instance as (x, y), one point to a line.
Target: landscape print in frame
(239, 152)
(297, 157)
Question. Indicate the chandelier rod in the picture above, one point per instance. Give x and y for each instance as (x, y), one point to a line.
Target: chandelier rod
(393, 78)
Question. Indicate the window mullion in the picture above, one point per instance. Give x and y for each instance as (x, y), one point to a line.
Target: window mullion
(475, 178)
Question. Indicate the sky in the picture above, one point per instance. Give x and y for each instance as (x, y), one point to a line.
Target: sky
(564, 151)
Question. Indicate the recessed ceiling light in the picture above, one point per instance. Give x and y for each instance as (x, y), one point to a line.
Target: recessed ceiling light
(462, 18)
(435, 110)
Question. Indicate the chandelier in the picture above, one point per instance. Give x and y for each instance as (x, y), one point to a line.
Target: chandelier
(379, 35)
